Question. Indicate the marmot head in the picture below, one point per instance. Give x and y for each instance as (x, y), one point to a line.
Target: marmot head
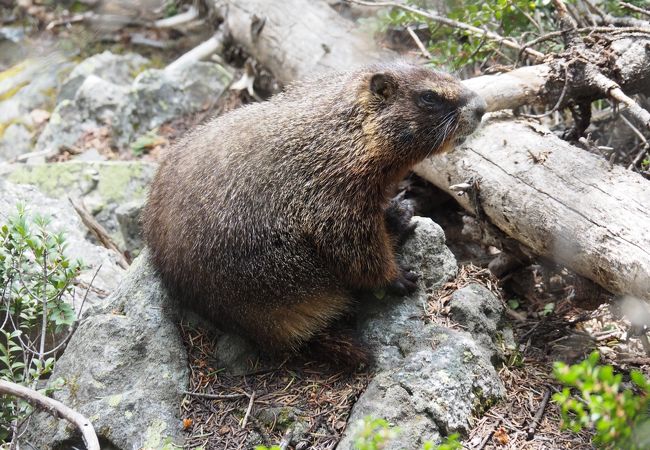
(418, 111)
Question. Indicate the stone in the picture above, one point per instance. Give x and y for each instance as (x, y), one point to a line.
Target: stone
(16, 140)
(96, 104)
(115, 92)
(158, 96)
(26, 86)
(481, 313)
(103, 186)
(125, 369)
(116, 69)
(128, 218)
(430, 380)
(64, 218)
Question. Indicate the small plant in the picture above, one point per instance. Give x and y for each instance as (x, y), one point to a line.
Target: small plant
(454, 48)
(35, 280)
(618, 415)
(374, 434)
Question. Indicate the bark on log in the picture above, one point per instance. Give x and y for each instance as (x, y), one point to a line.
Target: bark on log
(569, 206)
(563, 202)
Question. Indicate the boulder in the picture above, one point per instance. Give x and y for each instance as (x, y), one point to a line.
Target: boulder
(113, 92)
(116, 69)
(125, 369)
(430, 380)
(158, 96)
(478, 311)
(27, 86)
(128, 218)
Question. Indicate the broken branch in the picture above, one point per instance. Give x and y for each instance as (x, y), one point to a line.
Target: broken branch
(54, 408)
(98, 231)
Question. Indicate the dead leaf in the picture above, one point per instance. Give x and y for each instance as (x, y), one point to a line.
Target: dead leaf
(501, 436)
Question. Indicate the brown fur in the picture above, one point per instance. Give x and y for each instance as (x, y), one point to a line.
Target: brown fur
(267, 218)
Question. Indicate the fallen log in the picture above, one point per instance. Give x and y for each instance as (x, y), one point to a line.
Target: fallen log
(295, 38)
(561, 201)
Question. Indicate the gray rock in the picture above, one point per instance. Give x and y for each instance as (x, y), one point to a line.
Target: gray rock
(16, 140)
(64, 218)
(430, 380)
(116, 69)
(128, 218)
(390, 325)
(284, 418)
(125, 369)
(101, 92)
(96, 104)
(103, 186)
(31, 84)
(161, 95)
(482, 314)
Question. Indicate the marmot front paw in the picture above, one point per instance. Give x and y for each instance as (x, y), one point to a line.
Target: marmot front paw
(404, 284)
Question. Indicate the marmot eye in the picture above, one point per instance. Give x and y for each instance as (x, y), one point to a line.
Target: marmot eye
(429, 98)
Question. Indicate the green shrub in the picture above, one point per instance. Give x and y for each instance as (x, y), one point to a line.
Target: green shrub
(35, 279)
(519, 20)
(595, 398)
(453, 48)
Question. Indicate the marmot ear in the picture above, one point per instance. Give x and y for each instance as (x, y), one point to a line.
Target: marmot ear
(383, 85)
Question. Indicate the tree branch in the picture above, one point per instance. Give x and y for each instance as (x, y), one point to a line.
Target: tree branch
(612, 90)
(54, 408)
(98, 230)
(631, 7)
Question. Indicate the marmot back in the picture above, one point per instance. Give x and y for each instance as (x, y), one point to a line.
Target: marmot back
(267, 218)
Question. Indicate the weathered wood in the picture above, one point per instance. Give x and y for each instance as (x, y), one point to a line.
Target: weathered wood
(563, 202)
(296, 38)
(543, 83)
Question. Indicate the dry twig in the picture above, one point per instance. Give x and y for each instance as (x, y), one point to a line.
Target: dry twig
(203, 50)
(54, 408)
(98, 230)
(612, 90)
(216, 396)
(248, 410)
(530, 433)
(419, 43)
(634, 8)
(179, 19)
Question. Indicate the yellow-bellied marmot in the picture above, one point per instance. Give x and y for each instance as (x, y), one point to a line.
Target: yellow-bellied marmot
(267, 218)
